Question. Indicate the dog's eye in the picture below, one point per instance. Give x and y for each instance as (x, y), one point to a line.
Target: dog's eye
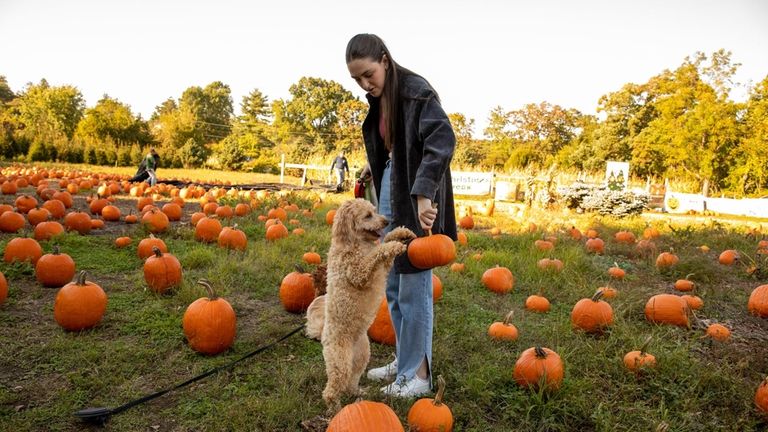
(369, 215)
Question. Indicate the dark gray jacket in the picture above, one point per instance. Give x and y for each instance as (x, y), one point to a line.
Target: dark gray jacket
(421, 156)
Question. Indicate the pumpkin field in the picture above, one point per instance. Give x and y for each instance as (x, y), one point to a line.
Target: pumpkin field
(659, 323)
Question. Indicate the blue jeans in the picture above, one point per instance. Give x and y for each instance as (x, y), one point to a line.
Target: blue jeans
(409, 296)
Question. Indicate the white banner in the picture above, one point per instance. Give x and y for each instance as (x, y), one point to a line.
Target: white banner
(471, 183)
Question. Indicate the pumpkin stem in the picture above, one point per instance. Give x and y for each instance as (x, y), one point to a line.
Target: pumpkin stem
(55, 249)
(441, 391)
(81, 278)
(207, 284)
(508, 318)
(598, 294)
(429, 232)
(645, 345)
(156, 250)
(688, 276)
(234, 227)
(540, 353)
(299, 268)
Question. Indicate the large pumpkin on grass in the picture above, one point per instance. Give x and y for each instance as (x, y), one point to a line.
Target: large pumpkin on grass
(365, 416)
(758, 301)
(592, 314)
(55, 269)
(638, 360)
(48, 229)
(209, 323)
(155, 221)
(498, 279)
(667, 309)
(79, 305)
(22, 249)
(207, 230)
(78, 221)
(382, 330)
(162, 271)
(539, 367)
(297, 290)
(504, 330)
(433, 250)
(427, 414)
(144, 249)
(233, 238)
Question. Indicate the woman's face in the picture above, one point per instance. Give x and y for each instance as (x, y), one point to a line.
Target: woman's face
(369, 74)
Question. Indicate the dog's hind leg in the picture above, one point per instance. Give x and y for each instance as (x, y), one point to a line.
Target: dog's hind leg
(338, 364)
(362, 355)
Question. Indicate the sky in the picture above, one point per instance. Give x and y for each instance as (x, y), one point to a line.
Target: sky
(477, 54)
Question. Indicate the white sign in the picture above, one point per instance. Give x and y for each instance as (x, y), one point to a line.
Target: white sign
(617, 173)
(676, 202)
(471, 183)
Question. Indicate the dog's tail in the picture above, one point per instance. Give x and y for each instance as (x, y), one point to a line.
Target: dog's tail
(316, 318)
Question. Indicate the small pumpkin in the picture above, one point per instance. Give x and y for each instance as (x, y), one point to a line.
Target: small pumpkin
(80, 304)
(207, 230)
(155, 221)
(297, 290)
(329, 216)
(467, 222)
(458, 267)
(666, 260)
(626, 237)
(667, 309)
(276, 231)
(209, 323)
(47, 230)
(761, 397)
(78, 221)
(365, 416)
(539, 367)
(685, 284)
(173, 211)
(728, 257)
(144, 249)
(609, 292)
(3, 288)
(616, 272)
(718, 332)
(543, 245)
(11, 222)
(381, 329)
(592, 315)
(694, 302)
(437, 288)
(22, 249)
(498, 279)
(595, 245)
(122, 242)
(638, 360)
(550, 264)
(162, 271)
(55, 269)
(433, 250)
(504, 330)
(111, 213)
(312, 258)
(537, 303)
(758, 301)
(462, 238)
(429, 414)
(233, 238)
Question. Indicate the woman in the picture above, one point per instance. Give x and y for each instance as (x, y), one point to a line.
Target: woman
(409, 144)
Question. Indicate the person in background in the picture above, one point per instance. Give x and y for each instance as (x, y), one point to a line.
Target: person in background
(409, 144)
(340, 166)
(147, 168)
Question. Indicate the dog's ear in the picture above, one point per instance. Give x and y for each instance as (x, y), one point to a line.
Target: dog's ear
(344, 224)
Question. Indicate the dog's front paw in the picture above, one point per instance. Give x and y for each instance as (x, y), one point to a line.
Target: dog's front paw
(393, 248)
(400, 234)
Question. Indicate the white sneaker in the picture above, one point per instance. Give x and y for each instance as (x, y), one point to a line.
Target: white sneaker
(384, 373)
(411, 388)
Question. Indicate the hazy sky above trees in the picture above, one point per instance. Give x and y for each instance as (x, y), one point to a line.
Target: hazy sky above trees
(478, 55)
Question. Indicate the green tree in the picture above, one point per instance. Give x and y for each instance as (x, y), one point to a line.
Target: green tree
(499, 138)
(212, 110)
(542, 130)
(469, 152)
(50, 113)
(312, 112)
(750, 173)
(113, 122)
(6, 94)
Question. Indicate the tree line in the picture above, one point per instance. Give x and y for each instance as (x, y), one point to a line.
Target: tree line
(681, 123)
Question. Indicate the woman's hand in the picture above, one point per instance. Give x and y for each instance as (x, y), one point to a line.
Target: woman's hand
(427, 213)
(365, 175)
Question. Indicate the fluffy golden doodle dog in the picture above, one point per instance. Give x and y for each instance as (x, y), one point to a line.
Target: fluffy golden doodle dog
(357, 271)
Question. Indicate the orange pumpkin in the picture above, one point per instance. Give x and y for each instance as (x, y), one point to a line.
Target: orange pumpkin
(22, 249)
(429, 414)
(79, 305)
(650, 233)
(55, 269)
(110, 213)
(667, 309)
(145, 248)
(694, 302)
(666, 260)
(462, 238)
(11, 222)
(55, 207)
(592, 315)
(209, 323)
(25, 203)
(595, 245)
(758, 301)
(312, 258)
(504, 330)
(122, 242)
(537, 303)
(78, 221)
(382, 330)
(437, 288)
(433, 250)
(365, 416)
(173, 211)
(608, 292)
(207, 230)
(550, 264)
(718, 332)
(297, 290)
(543, 245)
(728, 257)
(155, 221)
(626, 237)
(3, 288)
(638, 360)
(276, 231)
(162, 271)
(616, 272)
(467, 222)
(761, 397)
(47, 230)
(498, 279)
(38, 215)
(539, 367)
(233, 238)
(685, 284)
(329, 216)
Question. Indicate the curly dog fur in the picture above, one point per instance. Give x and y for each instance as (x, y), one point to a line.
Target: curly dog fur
(357, 271)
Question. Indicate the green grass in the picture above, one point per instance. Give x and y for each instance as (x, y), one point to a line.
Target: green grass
(47, 374)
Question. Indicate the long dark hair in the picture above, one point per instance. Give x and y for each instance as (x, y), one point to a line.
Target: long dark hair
(370, 46)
